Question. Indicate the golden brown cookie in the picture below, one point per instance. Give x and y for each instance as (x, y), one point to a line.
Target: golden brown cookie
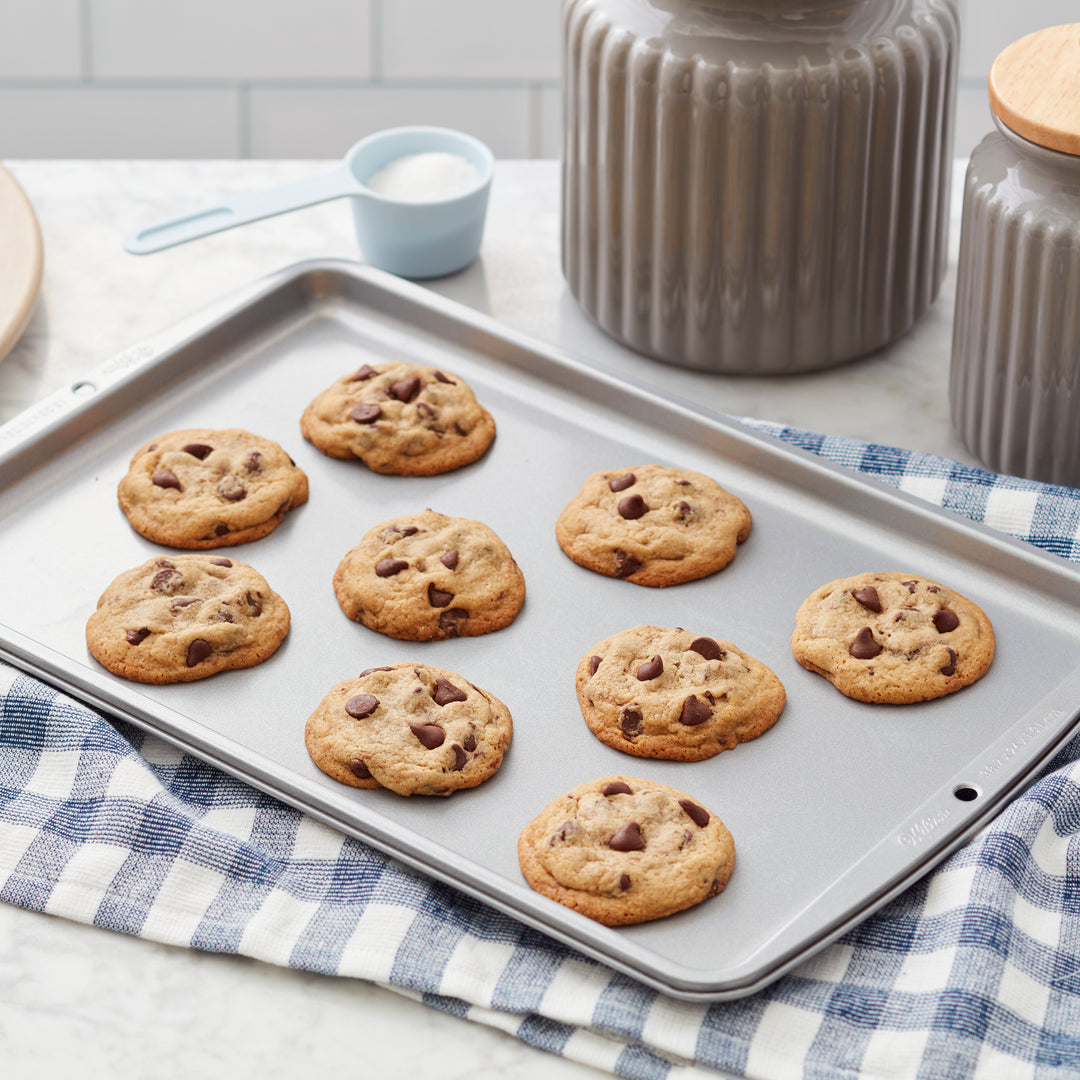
(184, 617)
(672, 694)
(426, 576)
(400, 418)
(652, 525)
(623, 850)
(892, 637)
(409, 727)
(208, 488)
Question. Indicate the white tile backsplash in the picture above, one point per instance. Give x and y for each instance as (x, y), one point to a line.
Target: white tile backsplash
(320, 122)
(989, 25)
(110, 122)
(40, 39)
(231, 40)
(306, 78)
(471, 39)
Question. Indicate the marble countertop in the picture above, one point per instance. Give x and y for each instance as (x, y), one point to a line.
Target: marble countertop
(76, 996)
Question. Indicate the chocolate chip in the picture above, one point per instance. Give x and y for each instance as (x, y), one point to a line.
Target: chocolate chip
(450, 620)
(430, 735)
(694, 711)
(653, 668)
(707, 647)
(632, 507)
(621, 483)
(684, 509)
(449, 559)
(198, 450)
(911, 585)
(166, 478)
(460, 430)
(167, 581)
(409, 530)
(220, 529)
(628, 838)
(134, 637)
(950, 667)
(364, 373)
(445, 692)
(232, 488)
(426, 410)
(594, 663)
(361, 705)
(868, 597)
(198, 651)
(567, 828)
(180, 602)
(626, 565)
(440, 377)
(359, 769)
(616, 787)
(946, 620)
(390, 567)
(221, 562)
(460, 757)
(437, 597)
(624, 882)
(864, 647)
(371, 669)
(469, 742)
(698, 814)
(254, 462)
(255, 603)
(631, 723)
(405, 389)
(222, 616)
(366, 413)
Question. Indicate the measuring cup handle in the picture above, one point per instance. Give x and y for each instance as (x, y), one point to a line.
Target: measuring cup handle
(241, 211)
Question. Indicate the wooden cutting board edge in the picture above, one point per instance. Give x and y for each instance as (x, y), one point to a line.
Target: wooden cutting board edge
(21, 261)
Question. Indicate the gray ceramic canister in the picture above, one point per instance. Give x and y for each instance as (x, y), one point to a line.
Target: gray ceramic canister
(757, 186)
(1014, 387)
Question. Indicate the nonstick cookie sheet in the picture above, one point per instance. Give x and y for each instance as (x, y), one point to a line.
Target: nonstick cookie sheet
(837, 807)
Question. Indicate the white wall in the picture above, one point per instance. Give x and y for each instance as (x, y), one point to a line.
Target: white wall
(306, 78)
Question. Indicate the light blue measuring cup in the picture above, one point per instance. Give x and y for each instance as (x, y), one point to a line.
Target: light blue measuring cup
(413, 239)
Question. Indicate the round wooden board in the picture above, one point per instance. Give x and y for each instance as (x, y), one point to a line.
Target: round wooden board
(21, 261)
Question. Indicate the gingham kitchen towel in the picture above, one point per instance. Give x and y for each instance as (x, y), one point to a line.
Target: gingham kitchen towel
(975, 971)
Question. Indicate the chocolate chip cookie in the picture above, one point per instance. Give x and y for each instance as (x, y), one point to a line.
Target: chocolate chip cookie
(412, 728)
(204, 488)
(400, 418)
(427, 577)
(892, 637)
(184, 617)
(652, 525)
(623, 850)
(673, 694)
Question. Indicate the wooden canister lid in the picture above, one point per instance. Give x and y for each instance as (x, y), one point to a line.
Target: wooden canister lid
(1035, 88)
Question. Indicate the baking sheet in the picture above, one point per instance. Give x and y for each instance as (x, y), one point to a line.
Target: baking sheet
(835, 809)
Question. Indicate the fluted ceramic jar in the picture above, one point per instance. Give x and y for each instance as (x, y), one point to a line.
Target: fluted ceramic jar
(757, 186)
(1014, 387)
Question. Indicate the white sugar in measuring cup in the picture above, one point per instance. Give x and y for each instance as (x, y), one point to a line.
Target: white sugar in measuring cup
(410, 237)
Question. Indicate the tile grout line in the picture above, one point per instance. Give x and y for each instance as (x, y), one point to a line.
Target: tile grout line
(86, 50)
(376, 56)
(244, 134)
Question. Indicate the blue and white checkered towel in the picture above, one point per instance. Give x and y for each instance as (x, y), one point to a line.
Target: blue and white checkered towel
(974, 971)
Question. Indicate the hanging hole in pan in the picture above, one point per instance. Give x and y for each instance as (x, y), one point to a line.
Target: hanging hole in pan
(966, 793)
(83, 389)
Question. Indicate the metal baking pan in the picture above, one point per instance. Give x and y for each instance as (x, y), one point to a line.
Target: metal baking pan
(834, 810)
